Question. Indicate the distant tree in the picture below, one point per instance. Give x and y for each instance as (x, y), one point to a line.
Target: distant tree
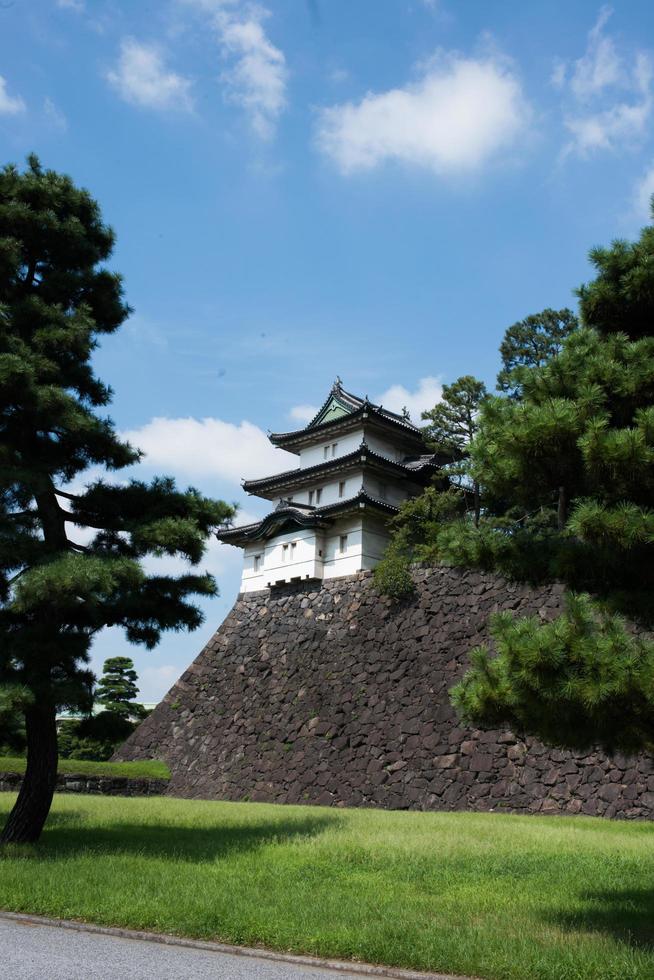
(451, 427)
(13, 701)
(117, 689)
(531, 343)
(96, 737)
(57, 299)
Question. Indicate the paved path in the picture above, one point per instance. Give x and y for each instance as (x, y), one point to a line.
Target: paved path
(37, 950)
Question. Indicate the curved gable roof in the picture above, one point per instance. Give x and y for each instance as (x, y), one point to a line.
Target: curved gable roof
(338, 405)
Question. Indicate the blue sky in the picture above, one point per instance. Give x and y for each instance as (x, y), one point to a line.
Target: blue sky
(306, 188)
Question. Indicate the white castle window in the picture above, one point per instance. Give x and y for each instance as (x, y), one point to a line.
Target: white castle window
(343, 544)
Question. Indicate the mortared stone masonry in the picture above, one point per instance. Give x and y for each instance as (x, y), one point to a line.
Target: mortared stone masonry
(339, 696)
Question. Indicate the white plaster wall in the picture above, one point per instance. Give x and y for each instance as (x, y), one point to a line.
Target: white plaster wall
(330, 495)
(252, 581)
(384, 447)
(345, 444)
(375, 540)
(337, 562)
(316, 557)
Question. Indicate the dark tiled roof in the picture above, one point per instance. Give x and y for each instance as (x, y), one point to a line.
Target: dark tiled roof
(352, 405)
(412, 464)
(301, 515)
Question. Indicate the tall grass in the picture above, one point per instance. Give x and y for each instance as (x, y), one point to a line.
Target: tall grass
(487, 895)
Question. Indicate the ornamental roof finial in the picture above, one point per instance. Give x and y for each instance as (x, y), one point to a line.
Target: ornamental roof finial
(338, 384)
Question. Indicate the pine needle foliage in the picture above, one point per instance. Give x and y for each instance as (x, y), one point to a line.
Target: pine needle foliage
(71, 550)
(580, 680)
(564, 463)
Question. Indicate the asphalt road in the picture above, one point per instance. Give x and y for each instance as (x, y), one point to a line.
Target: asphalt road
(40, 952)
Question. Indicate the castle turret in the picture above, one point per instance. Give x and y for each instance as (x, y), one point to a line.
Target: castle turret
(358, 463)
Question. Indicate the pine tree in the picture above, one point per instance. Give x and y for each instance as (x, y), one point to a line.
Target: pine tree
(532, 342)
(578, 681)
(452, 425)
(578, 449)
(57, 299)
(117, 689)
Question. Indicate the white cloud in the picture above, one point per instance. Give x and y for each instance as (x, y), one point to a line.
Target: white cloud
(142, 79)
(425, 396)
(609, 95)
(600, 66)
(157, 681)
(458, 115)
(643, 194)
(55, 116)
(303, 413)
(559, 73)
(10, 105)
(257, 75)
(196, 448)
(76, 5)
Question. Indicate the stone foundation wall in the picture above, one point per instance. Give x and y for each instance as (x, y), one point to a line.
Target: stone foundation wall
(10, 782)
(339, 696)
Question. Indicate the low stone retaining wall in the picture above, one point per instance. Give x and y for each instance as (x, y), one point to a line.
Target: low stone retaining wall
(97, 785)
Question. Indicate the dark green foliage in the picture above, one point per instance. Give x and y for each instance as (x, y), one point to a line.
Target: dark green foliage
(532, 342)
(13, 700)
(621, 297)
(117, 688)
(451, 425)
(57, 299)
(567, 470)
(578, 681)
(93, 738)
(564, 467)
(393, 574)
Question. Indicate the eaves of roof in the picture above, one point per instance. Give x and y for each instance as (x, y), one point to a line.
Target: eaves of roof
(363, 456)
(366, 409)
(302, 516)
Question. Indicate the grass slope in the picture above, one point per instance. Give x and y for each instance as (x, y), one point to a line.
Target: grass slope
(489, 895)
(80, 767)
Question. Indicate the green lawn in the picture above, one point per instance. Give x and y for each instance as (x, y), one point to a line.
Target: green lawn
(138, 770)
(489, 895)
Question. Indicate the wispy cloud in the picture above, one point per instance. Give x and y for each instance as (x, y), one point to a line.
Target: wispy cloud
(76, 5)
(54, 116)
(256, 74)
(302, 413)
(643, 195)
(142, 79)
(459, 114)
(428, 393)
(209, 447)
(10, 105)
(607, 95)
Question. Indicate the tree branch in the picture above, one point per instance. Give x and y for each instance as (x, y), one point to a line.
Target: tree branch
(68, 496)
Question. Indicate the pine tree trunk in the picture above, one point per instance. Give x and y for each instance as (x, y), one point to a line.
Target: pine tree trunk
(26, 820)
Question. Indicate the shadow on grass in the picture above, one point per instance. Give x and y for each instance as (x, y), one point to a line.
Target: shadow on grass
(626, 915)
(63, 837)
